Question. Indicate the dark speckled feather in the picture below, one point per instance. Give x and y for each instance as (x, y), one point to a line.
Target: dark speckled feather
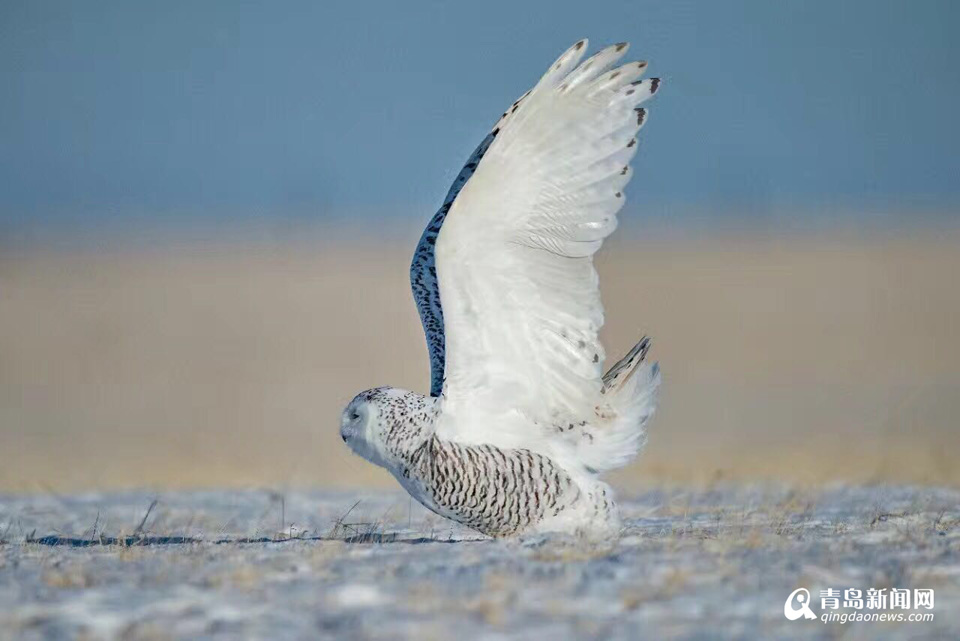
(423, 268)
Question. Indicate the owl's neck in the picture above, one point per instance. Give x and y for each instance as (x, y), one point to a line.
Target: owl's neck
(410, 428)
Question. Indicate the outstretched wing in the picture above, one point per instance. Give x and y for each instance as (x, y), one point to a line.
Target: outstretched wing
(514, 258)
(423, 268)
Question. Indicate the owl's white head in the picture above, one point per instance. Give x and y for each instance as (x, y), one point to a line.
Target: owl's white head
(383, 423)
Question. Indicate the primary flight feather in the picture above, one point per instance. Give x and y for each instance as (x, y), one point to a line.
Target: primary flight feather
(521, 420)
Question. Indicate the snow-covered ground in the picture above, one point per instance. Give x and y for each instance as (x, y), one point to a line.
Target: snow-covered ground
(715, 563)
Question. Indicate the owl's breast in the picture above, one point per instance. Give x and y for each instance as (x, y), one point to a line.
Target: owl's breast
(500, 492)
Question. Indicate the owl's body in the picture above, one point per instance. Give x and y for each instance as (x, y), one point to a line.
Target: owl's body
(504, 492)
(498, 491)
(521, 419)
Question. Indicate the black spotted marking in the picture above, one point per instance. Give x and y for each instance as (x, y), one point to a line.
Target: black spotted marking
(423, 271)
(654, 85)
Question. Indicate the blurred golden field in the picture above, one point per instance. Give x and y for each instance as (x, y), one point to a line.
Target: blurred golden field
(810, 358)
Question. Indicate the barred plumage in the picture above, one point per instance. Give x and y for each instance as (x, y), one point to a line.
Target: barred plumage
(498, 492)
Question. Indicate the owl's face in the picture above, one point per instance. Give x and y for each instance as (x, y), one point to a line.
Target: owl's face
(360, 428)
(370, 419)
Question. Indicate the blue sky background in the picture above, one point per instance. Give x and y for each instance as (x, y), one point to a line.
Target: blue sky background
(130, 113)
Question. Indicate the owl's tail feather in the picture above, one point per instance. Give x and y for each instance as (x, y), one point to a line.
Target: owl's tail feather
(630, 390)
(620, 373)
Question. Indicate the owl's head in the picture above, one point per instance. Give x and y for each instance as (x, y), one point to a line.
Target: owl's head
(381, 423)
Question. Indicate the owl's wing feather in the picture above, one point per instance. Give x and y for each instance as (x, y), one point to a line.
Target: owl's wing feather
(423, 272)
(423, 267)
(514, 257)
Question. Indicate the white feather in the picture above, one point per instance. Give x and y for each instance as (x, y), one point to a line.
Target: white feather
(521, 302)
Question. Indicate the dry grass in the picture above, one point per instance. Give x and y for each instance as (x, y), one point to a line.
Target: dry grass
(805, 360)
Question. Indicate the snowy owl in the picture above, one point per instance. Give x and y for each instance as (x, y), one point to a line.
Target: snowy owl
(521, 420)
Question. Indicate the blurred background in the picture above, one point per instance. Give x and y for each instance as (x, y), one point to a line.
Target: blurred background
(207, 212)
